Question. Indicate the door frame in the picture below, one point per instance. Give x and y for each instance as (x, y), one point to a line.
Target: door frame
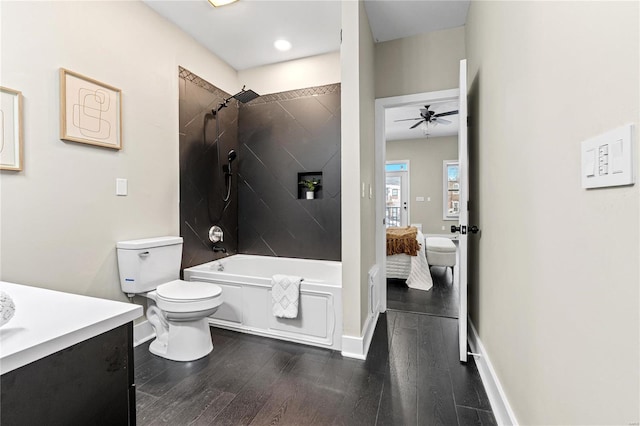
(381, 105)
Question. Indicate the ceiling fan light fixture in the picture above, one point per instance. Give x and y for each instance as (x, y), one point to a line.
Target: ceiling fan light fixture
(282, 45)
(218, 3)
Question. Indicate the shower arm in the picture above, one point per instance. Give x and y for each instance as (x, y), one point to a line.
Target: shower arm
(226, 101)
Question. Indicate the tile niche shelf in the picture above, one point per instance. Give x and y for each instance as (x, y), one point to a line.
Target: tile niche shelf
(302, 190)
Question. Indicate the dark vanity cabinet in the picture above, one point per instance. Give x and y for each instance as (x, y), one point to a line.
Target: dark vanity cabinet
(89, 383)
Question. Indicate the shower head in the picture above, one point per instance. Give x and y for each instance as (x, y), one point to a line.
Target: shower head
(226, 168)
(245, 96)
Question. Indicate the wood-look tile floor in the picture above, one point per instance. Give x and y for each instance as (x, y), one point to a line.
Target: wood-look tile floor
(412, 376)
(441, 300)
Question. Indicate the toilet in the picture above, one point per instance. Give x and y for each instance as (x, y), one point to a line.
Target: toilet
(177, 309)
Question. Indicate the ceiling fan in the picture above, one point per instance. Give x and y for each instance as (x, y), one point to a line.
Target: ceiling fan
(428, 116)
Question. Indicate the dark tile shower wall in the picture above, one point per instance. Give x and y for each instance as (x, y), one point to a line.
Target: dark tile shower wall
(202, 185)
(280, 136)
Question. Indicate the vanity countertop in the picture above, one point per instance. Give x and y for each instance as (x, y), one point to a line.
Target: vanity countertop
(48, 321)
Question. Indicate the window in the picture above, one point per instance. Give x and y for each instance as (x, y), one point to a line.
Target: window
(451, 190)
(396, 167)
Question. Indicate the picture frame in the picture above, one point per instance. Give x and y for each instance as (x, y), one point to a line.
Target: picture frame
(90, 111)
(11, 138)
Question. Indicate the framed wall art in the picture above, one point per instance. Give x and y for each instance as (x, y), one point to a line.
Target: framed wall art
(11, 156)
(90, 111)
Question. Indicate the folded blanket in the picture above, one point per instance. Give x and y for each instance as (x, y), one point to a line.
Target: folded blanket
(285, 295)
(402, 240)
(420, 276)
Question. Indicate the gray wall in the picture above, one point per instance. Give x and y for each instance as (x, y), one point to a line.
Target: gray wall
(202, 185)
(421, 63)
(425, 178)
(61, 212)
(557, 300)
(281, 135)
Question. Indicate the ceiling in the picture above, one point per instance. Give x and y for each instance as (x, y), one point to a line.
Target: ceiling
(242, 33)
(393, 19)
(400, 130)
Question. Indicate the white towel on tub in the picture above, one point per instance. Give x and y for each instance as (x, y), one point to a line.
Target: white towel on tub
(285, 295)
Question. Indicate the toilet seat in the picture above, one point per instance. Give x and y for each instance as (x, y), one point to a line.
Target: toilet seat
(187, 291)
(188, 296)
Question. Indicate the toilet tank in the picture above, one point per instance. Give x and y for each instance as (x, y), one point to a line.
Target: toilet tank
(145, 264)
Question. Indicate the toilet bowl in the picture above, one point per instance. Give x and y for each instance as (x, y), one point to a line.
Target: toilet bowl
(178, 309)
(181, 310)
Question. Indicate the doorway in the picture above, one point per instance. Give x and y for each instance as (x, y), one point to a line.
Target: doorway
(432, 150)
(437, 200)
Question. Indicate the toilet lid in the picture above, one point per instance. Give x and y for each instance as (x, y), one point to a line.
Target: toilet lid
(184, 291)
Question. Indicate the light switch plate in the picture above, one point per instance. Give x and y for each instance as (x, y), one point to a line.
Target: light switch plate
(121, 187)
(608, 159)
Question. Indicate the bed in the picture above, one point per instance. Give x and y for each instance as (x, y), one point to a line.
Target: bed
(401, 264)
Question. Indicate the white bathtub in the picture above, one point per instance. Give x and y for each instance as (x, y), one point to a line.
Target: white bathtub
(246, 291)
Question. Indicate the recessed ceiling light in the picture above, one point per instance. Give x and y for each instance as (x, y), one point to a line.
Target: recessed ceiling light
(218, 3)
(282, 45)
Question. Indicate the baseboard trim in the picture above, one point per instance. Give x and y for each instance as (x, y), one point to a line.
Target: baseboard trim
(358, 347)
(497, 397)
(142, 332)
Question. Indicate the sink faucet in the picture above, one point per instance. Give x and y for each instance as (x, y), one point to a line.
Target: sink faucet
(219, 249)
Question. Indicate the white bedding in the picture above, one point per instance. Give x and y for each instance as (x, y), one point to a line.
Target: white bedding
(414, 269)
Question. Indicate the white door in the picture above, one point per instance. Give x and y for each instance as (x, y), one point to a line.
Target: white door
(397, 198)
(463, 162)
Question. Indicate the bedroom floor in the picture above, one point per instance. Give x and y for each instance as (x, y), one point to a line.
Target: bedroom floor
(441, 300)
(412, 376)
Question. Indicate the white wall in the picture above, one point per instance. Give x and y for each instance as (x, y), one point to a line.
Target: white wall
(425, 178)
(297, 74)
(350, 176)
(60, 218)
(556, 300)
(357, 133)
(367, 158)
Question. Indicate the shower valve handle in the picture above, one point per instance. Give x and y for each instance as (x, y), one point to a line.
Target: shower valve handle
(215, 234)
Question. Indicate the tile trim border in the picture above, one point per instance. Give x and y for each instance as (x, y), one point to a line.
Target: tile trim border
(497, 397)
(187, 75)
(326, 89)
(294, 94)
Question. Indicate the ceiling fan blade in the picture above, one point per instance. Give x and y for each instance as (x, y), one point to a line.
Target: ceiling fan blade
(442, 114)
(409, 119)
(442, 121)
(417, 124)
